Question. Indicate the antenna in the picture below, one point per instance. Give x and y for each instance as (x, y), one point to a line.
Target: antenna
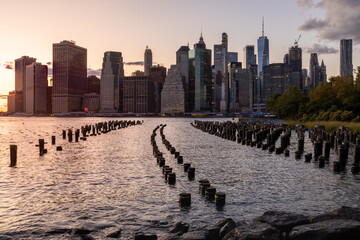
(263, 26)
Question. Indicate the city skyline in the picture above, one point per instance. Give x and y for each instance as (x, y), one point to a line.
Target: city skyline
(174, 29)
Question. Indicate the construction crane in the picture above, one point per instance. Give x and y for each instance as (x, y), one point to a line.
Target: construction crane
(296, 43)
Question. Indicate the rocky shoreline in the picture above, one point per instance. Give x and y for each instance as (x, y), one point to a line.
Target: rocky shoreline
(342, 223)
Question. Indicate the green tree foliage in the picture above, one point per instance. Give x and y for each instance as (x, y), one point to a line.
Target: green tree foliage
(338, 100)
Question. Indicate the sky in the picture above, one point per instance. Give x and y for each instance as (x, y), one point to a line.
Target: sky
(31, 27)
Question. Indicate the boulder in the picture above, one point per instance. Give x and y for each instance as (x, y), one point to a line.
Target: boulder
(327, 230)
(254, 231)
(214, 230)
(284, 221)
(199, 234)
(180, 227)
(229, 226)
(143, 236)
(115, 234)
(340, 213)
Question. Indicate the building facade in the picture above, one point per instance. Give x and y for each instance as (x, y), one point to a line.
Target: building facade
(111, 84)
(69, 76)
(147, 61)
(173, 93)
(182, 64)
(93, 84)
(36, 88)
(314, 71)
(346, 65)
(15, 101)
(200, 78)
(20, 77)
(138, 94)
(249, 57)
(158, 75)
(295, 62)
(277, 78)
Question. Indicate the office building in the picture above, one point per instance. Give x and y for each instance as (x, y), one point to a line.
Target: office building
(158, 75)
(200, 78)
(69, 76)
(20, 78)
(233, 70)
(111, 84)
(232, 57)
(15, 101)
(173, 94)
(263, 58)
(277, 78)
(314, 70)
(346, 65)
(147, 61)
(182, 64)
(93, 85)
(249, 56)
(36, 88)
(91, 102)
(323, 75)
(138, 94)
(295, 62)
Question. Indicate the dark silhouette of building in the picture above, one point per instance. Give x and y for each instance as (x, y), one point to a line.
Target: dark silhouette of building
(277, 78)
(15, 101)
(200, 78)
(295, 62)
(346, 65)
(249, 56)
(20, 79)
(158, 74)
(112, 75)
(49, 100)
(314, 70)
(93, 85)
(69, 76)
(138, 94)
(182, 64)
(36, 88)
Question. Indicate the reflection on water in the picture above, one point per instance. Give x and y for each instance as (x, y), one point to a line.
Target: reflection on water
(112, 180)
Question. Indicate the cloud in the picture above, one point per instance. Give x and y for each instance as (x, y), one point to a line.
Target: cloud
(305, 3)
(321, 49)
(139, 63)
(313, 23)
(341, 19)
(96, 72)
(48, 63)
(9, 65)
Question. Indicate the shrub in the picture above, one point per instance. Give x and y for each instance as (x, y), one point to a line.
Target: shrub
(346, 116)
(357, 119)
(335, 116)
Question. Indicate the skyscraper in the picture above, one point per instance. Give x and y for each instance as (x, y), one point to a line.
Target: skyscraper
(36, 88)
(263, 56)
(69, 76)
(346, 66)
(295, 62)
(277, 78)
(147, 61)
(182, 65)
(323, 75)
(200, 78)
(249, 56)
(138, 94)
(158, 75)
(232, 57)
(111, 84)
(314, 70)
(20, 78)
(173, 94)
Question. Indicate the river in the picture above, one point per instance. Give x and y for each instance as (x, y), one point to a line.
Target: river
(112, 180)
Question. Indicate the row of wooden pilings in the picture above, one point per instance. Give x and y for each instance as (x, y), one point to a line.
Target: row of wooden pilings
(86, 131)
(265, 136)
(170, 177)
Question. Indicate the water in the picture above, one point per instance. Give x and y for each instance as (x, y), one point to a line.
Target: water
(112, 181)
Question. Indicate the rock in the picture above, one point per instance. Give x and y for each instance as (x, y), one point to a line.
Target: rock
(200, 234)
(114, 234)
(229, 226)
(80, 231)
(171, 236)
(284, 221)
(327, 230)
(4, 237)
(214, 230)
(143, 236)
(341, 213)
(180, 227)
(254, 231)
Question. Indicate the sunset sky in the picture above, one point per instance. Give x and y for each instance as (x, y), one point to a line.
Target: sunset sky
(31, 27)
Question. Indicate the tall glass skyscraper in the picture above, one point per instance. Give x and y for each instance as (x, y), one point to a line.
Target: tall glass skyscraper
(20, 77)
(263, 57)
(346, 66)
(111, 84)
(147, 61)
(249, 56)
(200, 78)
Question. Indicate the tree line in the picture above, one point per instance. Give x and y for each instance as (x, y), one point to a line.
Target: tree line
(338, 100)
